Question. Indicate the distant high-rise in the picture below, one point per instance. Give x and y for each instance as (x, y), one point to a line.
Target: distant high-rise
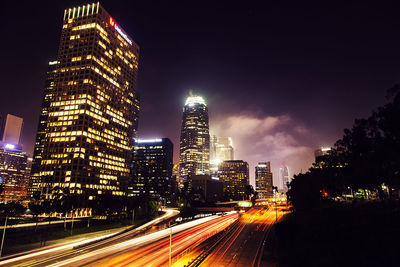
(224, 148)
(13, 162)
(175, 175)
(89, 110)
(235, 176)
(195, 138)
(213, 154)
(206, 188)
(322, 156)
(13, 177)
(264, 180)
(221, 149)
(284, 178)
(11, 129)
(153, 168)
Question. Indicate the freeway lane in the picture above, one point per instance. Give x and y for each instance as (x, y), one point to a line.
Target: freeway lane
(241, 245)
(153, 249)
(46, 256)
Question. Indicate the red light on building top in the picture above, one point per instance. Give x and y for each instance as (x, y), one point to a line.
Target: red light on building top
(112, 22)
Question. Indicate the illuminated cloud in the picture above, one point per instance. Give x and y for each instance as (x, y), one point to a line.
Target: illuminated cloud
(270, 138)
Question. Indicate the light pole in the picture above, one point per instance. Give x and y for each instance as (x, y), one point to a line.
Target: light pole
(2, 239)
(170, 243)
(72, 224)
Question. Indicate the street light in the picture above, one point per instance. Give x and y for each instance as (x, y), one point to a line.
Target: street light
(170, 243)
(2, 239)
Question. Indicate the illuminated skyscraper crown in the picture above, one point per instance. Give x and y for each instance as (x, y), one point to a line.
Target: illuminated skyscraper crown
(192, 100)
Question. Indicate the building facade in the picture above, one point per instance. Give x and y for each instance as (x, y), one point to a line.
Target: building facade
(88, 115)
(195, 138)
(235, 176)
(152, 174)
(264, 180)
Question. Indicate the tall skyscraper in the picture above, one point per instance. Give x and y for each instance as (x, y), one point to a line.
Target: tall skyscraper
(11, 129)
(195, 138)
(87, 122)
(221, 149)
(284, 178)
(235, 176)
(264, 180)
(152, 173)
(40, 142)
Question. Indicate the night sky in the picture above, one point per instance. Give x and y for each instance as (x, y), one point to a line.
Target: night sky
(281, 78)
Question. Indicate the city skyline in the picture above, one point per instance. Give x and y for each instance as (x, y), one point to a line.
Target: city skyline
(199, 133)
(303, 114)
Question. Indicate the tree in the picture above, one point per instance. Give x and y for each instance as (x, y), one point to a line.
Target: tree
(11, 209)
(249, 191)
(365, 158)
(62, 202)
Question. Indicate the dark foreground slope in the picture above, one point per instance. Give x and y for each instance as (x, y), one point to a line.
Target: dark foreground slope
(361, 234)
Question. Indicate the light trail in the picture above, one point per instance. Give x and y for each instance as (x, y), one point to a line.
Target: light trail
(135, 242)
(180, 241)
(243, 245)
(37, 253)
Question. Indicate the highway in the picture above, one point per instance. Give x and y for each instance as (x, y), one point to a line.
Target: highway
(147, 250)
(242, 245)
(151, 249)
(230, 240)
(48, 255)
